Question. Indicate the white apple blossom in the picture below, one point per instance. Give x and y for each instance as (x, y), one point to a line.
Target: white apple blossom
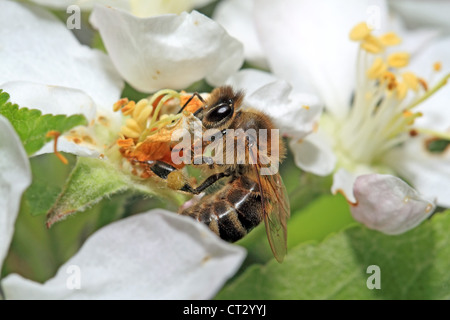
(145, 256)
(140, 8)
(383, 92)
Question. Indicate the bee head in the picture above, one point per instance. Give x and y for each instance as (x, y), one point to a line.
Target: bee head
(220, 107)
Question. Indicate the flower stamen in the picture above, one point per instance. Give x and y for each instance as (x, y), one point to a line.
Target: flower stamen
(360, 32)
(398, 60)
(390, 39)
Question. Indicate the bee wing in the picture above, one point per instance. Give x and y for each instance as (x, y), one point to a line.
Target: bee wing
(276, 208)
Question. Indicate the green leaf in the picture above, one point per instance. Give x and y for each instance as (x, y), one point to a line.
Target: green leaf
(49, 176)
(438, 145)
(413, 265)
(32, 127)
(90, 181)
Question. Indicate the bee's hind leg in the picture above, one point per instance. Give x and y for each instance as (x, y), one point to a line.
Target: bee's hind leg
(176, 181)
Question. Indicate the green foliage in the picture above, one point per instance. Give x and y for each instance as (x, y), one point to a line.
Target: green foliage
(413, 265)
(438, 145)
(32, 127)
(90, 181)
(49, 176)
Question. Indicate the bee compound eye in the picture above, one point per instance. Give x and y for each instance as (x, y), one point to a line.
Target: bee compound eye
(220, 112)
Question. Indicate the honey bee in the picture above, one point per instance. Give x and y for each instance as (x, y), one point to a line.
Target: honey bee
(244, 197)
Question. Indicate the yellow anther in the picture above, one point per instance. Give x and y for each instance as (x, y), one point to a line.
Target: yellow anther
(388, 76)
(402, 90)
(407, 114)
(133, 125)
(390, 39)
(437, 66)
(372, 44)
(411, 80)
(119, 104)
(410, 117)
(360, 32)
(392, 85)
(129, 133)
(423, 83)
(398, 60)
(377, 69)
(128, 109)
(139, 107)
(144, 116)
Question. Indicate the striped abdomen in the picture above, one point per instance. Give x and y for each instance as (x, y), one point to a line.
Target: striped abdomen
(232, 211)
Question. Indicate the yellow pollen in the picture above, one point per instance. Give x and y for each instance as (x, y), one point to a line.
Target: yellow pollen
(360, 32)
(128, 109)
(437, 66)
(390, 39)
(407, 114)
(377, 69)
(411, 80)
(410, 116)
(119, 104)
(398, 60)
(305, 107)
(391, 80)
(372, 44)
(392, 85)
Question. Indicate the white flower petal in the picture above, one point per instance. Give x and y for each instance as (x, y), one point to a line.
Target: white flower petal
(15, 177)
(429, 173)
(436, 114)
(313, 154)
(343, 181)
(412, 40)
(295, 114)
(155, 255)
(58, 100)
(64, 145)
(236, 16)
(250, 80)
(145, 8)
(83, 4)
(387, 204)
(51, 99)
(168, 51)
(419, 13)
(307, 43)
(39, 48)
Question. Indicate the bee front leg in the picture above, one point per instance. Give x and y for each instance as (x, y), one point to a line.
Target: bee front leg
(176, 180)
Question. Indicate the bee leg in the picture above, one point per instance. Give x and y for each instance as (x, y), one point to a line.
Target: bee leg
(211, 180)
(195, 94)
(164, 170)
